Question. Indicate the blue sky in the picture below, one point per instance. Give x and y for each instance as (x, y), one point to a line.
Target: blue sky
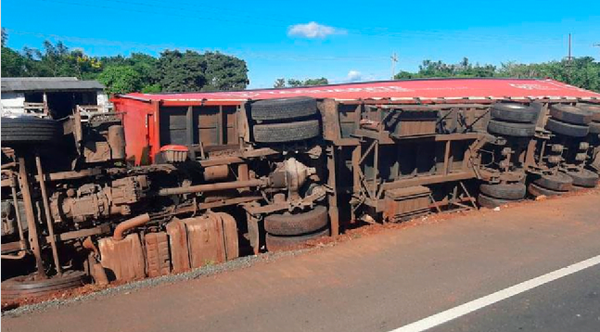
(349, 40)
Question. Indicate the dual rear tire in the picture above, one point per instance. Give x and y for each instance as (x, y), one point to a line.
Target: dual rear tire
(562, 182)
(494, 195)
(286, 231)
(570, 121)
(285, 120)
(583, 178)
(553, 184)
(513, 120)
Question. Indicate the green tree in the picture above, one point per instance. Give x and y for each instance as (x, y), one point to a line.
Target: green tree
(279, 83)
(145, 66)
(224, 72)
(55, 60)
(4, 37)
(582, 72)
(172, 71)
(404, 75)
(152, 88)
(430, 69)
(13, 63)
(181, 72)
(120, 79)
(294, 83)
(316, 81)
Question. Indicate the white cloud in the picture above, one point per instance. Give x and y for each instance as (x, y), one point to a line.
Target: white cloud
(354, 76)
(313, 30)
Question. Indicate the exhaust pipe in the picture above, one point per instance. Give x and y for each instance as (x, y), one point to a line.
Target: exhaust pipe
(129, 224)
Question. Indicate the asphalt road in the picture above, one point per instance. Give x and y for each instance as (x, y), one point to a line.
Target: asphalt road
(380, 282)
(568, 304)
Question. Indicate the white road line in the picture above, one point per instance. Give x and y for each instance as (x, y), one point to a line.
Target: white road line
(463, 309)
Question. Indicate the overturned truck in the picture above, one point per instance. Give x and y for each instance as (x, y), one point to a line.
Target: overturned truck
(172, 182)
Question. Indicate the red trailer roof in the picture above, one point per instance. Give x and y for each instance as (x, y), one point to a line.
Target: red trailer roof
(473, 88)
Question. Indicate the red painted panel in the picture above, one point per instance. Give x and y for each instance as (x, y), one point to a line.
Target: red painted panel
(423, 89)
(140, 137)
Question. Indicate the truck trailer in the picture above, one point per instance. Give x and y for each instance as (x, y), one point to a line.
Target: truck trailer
(171, 182)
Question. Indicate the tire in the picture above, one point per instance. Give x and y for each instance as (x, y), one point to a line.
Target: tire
(504, 191)
(511, 129)
(23, 287)
(578, 188)
(570, 114)
(537, 190)
(567, 129)
(513, 112)
(557, 182)
(297, 224)
(594, 109)
(281, 243)
(28, 130)
(283, 109)
(286, 132)
(584, 178)
(594, 127)
(491, 202)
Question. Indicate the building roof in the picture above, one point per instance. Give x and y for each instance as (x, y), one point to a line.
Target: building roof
(48, 84)
(426, 89)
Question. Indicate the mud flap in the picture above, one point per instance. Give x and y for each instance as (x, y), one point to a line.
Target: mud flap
(122, 260)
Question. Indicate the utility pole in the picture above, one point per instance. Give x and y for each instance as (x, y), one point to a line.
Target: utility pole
(570, 57)
(569, 62)
(394, 58)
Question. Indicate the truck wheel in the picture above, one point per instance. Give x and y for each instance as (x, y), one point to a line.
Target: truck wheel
(28, 130)
(281, 243)
(513, 112)
(570, 114)
(23, 287)
(297, 224)
(504, 191)
(511, 128)
(491, 202)
(583, 178)
(286, 132)
(594, 109)
(537, 190)
(283, 109)
(558, 181)
(567, 129)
